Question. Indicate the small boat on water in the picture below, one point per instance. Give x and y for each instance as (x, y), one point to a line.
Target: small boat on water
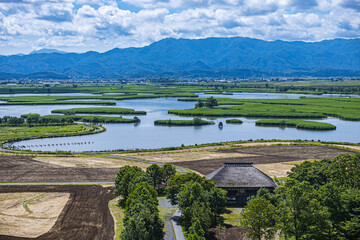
(220, 125)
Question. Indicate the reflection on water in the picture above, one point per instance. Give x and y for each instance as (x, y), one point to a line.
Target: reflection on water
(145, 135)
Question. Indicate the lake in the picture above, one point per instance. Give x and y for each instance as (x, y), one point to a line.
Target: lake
(147, 136)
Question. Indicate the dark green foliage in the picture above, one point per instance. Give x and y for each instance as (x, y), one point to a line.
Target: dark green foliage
(199, 200)
(168, 171)
(155, 172)
(316, 173)
(142, 220)
(194, 122)
(143, 193)
(160, 175)
(193, 203)
(175, 183)
(208, 103)
(345, 170)
(259, 217)
(33, 120)
(233, 121)
(123, 178)
(300, 213)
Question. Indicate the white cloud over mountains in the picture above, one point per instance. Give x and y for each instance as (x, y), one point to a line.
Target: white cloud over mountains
(81, 25)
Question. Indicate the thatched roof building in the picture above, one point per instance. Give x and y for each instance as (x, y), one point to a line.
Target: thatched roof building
(241, 180)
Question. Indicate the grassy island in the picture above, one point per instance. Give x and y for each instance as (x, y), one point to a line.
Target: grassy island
(98, 110)
(95, 119)
(301, 124)
(306, 107)
(66, 100)
(194, 122)
(234, 121)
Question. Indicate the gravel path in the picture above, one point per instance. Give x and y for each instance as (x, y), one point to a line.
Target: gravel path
(165, 204)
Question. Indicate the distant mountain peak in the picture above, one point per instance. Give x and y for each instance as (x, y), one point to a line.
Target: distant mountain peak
(47, 50)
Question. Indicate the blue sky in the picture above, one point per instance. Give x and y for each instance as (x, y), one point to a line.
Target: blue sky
(100, 25)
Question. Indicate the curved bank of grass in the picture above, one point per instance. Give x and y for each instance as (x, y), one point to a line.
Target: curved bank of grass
(301, 124)
(98, 110)
(194, 122)
(13, 134)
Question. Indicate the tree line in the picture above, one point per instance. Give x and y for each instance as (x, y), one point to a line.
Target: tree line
(32, 120)
(319, 200)
(199, 200)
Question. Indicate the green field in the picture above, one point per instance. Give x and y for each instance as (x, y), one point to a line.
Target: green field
(174, 86)
(99, 110)
(66, 100)
(307, 107)
(182, 122)
(301, 124)
(234, 121)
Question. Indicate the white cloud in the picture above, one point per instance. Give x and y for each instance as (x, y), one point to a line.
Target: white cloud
(105, 24)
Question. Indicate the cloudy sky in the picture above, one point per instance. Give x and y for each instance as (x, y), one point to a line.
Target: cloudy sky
(100, 25)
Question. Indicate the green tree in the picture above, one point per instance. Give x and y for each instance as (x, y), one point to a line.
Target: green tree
(195, 231)
(211, 102)
(141, 222)
(193, 203)
(156, 173)
(199, 104)
(197, 121)
(316, 173)
(136, 119)
(300, 214)
(345, 170)
(123, 178)
(143, 193)
(258, 216)
(177, 181)
(168, 172)
(217, 202)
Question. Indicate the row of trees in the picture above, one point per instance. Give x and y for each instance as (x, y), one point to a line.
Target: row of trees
(319, 200)
(199, 201)
(208, 103)
(137, 188)
(33, 119)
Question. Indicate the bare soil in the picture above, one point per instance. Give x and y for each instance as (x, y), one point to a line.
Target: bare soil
(25, 169)
(266, 155)
(90, 162)
(85, 216)
(30, 214)
(229, 233)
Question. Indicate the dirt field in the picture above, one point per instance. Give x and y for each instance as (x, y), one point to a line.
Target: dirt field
(25, 169)
(265, 155)
(190, 155)
(85, 216)
(90, 162)
(30, 214)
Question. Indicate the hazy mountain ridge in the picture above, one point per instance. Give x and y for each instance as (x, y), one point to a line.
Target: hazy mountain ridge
(177, 57)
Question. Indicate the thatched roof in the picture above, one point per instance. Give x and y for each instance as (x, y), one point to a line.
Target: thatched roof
(240, 175)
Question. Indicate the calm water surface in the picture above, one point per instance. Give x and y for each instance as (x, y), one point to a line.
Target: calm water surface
(145, 135)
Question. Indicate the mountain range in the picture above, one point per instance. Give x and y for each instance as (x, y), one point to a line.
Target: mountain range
(210, 57)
